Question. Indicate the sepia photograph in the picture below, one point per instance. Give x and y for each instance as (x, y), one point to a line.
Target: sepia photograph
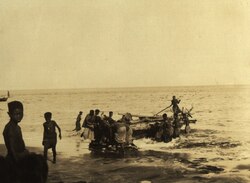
(145, 91)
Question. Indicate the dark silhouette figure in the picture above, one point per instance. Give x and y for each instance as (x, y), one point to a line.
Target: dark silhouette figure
(12, 133)
(50, 136)
(78, 122)
(174, 103)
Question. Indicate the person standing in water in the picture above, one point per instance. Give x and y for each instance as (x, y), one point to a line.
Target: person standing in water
(98, 127)
(167, 129)
(186, 121)
(78, 122)
(176, 125)
(49, 135)
(174, 103)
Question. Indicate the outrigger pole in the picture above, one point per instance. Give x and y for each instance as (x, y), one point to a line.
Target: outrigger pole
(162, 110)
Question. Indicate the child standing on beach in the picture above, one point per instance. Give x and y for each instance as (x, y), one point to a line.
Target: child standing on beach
(13, 135)
(13, 139)
(49, 135)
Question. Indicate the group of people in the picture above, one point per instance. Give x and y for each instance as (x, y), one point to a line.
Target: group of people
(20, 165)
(169, 129)
(104, 130)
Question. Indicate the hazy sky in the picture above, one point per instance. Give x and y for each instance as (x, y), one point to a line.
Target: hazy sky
(121, 43)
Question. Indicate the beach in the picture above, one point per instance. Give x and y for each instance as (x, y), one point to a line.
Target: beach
(216, 150)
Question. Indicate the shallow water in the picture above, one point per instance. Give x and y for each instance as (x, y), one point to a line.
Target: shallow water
(217, 149)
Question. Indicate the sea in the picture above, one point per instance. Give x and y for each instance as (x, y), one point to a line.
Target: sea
(216, 150)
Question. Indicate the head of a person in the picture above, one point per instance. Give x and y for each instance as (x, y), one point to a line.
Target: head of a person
(110, 114)
(48, 116)
(127, 120)
(80, 112)
(15, 111)
(164, 116)
(174, 97)
(91, 112)
(97, 111)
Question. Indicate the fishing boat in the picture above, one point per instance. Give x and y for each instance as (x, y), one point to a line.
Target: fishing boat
(146, 126)
(143, 126)
(4, 99)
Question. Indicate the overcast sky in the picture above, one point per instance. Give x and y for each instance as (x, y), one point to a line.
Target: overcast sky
(116, 43)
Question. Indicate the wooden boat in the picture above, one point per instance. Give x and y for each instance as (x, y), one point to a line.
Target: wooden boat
(143, 127)
(146, 126)
(4, 99)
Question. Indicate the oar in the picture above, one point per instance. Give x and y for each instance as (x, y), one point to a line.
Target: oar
(162, 110)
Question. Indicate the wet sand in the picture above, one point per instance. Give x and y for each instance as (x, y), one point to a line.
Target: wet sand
(146, 166)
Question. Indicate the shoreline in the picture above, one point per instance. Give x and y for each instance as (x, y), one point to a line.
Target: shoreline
(174, 167)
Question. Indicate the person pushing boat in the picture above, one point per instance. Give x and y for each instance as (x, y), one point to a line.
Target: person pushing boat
(88, 125)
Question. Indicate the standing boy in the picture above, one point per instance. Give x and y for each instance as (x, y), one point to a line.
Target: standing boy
(13, 135)
(13, 139)
(49, 135)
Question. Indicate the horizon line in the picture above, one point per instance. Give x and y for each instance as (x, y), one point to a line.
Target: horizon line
(122, 87)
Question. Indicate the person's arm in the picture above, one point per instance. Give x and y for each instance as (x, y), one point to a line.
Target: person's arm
(59, 129)
(44, 129)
